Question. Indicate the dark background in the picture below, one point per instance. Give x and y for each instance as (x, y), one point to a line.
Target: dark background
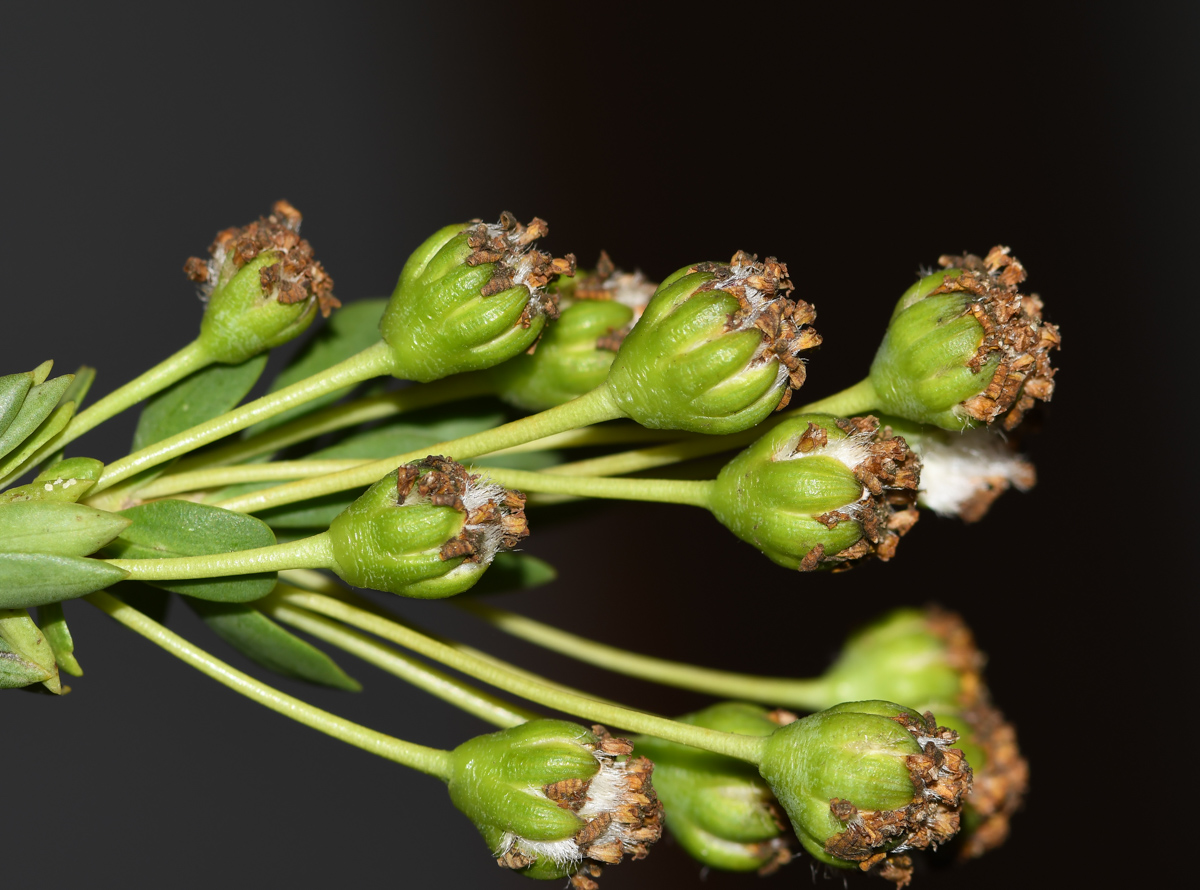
(855, 145)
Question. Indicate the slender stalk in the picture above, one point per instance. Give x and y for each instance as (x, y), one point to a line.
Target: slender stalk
(432, 761)
(219, 477)
(850, 401)
(780, 691)
(695, 493)
(371, 362)
(594, 407)
(338, 417)
(742, 747)
(187, 360)
(458, 693)
(307, 553)
(621, 433)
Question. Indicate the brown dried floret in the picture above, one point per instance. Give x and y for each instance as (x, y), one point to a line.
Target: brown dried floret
(1013, 331)
(763, 291)
(507, 244)
(295, 278)
(941, 779)
(1001, 782)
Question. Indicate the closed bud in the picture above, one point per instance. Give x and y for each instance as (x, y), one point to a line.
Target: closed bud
(428, 530)
(575, 353)
(470, 297)
(553, 799)
(964, 346)
(720, 810)
(262, 286)
(862, 782)
(817, 491)
(717, 349)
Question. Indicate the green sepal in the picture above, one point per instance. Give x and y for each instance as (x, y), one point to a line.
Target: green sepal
(240, 321)
(53, 625)
(199, 397)
(263, 641)
(172, 528)
(36, 579)
(23, 638)
(349, 331)
(514, 571)
(48, 526)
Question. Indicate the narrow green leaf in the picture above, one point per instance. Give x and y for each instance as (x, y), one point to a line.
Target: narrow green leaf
(42, 371)
(196, 398)
(85, 376)
(514, 571)
(24, 638)
(35, 579)
(16, 671)
(19, 462)
(47, 526)
(54, 627)
(349, 331)
(171, 528)
(38, 403)
(13, 389)
(66, 480)
(262, 640)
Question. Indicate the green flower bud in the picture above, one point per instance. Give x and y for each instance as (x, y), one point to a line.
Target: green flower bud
(552, 799)
(470, 297)
(965, 347)
(863, 781)
(820, 491)
(575, 353)
(720, 809)
(262, 286)
(962, 474)
(428, 530)
(716, 350)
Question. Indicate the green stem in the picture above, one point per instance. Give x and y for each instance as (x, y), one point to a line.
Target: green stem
(307, 553)
(449, 689)
(694, 493)
(594, 407)
(188, 360)
(374, 361)
(338, 417)
(742, 747)
(850, 401)
(219, 477)
(619, 433)
(432, 761)
(780, 691)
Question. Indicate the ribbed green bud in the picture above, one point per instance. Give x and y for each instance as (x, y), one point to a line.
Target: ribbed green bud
(428, 530)
(716, 350)
(551, 799)
(820, 491)
(863, 779)
(262, 285)
(720, 809)
(472, 296)
(964, 346)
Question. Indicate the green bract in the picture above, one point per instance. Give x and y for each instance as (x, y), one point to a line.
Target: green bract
(965, 347)
(543, 795)
(860, 780)
(718, 808)
(817, 490)
(470, 297)
(715, 350)
(262, 286)
(428, 530)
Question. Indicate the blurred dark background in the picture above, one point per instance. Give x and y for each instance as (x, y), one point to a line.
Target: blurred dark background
(856, 144)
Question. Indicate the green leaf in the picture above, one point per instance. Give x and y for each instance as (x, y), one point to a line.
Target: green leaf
(16, 671)
(58, 635)
(47, 526)
(38, 403)
(66, 480)
(85, 376)
(201, 396)
(171, 528)
(13, 388)
(24, 638)
(35, 579)
(514, 571)
(349, 331)
(262, 640)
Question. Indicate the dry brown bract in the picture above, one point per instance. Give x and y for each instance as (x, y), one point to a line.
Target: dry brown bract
(1013, 331)
(891, 474)
(763, 291)
(940, 778)
(493, 514)
(295, 278)
(508, 244)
